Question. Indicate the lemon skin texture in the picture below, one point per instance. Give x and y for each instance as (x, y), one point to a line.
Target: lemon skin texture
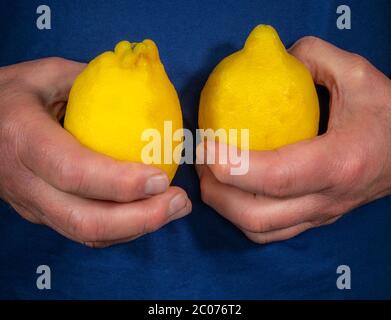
(264, 89)
(118, 96)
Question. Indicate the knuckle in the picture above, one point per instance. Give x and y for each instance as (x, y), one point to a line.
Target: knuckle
(53, 63)
(128, 186)
(84, 228)
(70, 178)
(46, 66)
(353, 169)
(27, 214)
(258, 237)
(74, 222)
(253, 221)
(279, 180)
(359, 61)
(262, 224)
(331, 220)
(303, 45)
(307, 41)
(41, 149)
(315, 223)
(340, 208)
(155, 218)
(359, 69)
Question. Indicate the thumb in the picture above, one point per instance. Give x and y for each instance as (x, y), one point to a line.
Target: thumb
(325, 61)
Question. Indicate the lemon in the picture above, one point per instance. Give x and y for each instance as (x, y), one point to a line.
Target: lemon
(119, 96)
(264, 89)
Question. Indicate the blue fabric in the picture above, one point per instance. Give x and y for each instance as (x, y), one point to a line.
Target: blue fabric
(203, 255)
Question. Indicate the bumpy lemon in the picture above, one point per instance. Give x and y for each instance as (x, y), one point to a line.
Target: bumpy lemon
(264, 89)
(119, 96)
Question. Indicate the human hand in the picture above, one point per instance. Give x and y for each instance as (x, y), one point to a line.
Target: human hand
(49, 178)
(313, 182)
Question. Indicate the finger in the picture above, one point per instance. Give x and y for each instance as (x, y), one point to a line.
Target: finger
(256, 213)
(92, 221)
(284, 234)
(52, 77)
(54, 155)
(105, 244)
(325, 61)
(91, 244)
(40, 217)
(278, 235)
(301, 168)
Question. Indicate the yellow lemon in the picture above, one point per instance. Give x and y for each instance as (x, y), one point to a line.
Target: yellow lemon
(264, 89)
(121, 95)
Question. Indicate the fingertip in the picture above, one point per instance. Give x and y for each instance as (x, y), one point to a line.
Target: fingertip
(303, 42)
(177, 199)
(182, 212)
(156, 184)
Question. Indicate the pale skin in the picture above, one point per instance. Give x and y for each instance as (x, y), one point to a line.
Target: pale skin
(313, 182)
(49, 178)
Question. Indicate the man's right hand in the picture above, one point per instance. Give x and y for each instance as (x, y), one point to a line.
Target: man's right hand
(48, 177)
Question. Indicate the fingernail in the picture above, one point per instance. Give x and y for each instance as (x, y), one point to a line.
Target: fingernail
(156, 184)
(181, 213)
(177, 204)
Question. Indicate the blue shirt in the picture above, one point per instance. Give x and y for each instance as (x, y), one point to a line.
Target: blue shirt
(202, 255)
